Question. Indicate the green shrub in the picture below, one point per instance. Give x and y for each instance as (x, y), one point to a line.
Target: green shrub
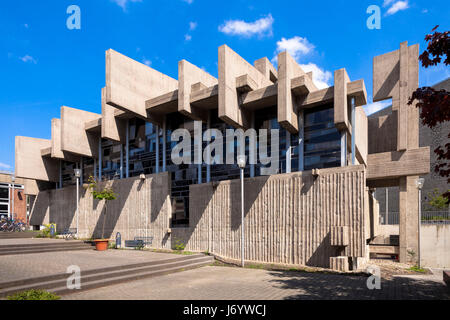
(45, 233)
(33, 295)
(179, 245)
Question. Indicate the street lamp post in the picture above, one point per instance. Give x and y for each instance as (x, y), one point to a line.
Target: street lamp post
(13, 180)
(241, 163)
(419, 184)
(77, 173)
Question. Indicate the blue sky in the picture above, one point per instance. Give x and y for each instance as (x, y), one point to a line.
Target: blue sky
(44, 65)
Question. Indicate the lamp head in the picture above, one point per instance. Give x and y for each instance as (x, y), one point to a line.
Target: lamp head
(77, 173)
(419, 183)
(241, 159)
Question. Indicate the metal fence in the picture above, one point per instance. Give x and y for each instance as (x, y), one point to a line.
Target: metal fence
(428, 217)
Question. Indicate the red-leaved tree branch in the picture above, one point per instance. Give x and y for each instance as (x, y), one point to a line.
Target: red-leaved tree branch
(435, 104)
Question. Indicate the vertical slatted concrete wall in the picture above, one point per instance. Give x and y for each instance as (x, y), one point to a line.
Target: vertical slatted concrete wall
(141, 209)
(288, 217)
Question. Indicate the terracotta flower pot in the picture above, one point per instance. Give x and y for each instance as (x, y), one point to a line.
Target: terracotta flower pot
(101, 244)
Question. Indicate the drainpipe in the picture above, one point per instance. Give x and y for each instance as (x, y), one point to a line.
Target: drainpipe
(288, 152)
(208, 166)
(252, 165)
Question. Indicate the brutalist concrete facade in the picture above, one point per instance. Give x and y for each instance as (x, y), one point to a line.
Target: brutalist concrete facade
(301, 216)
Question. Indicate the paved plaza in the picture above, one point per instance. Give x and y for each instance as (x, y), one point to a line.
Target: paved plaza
(231, 283)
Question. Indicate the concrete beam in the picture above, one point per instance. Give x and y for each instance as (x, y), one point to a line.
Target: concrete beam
(341, 114)
(129, 84)
(56, 151)
(287, 104)
(408, 218)
(30, 164)
(361, 135)
(396, 76)
(192, 78)
(232, 66)
(395, 164)
(74, 138)
(112, 128)
(264, 66)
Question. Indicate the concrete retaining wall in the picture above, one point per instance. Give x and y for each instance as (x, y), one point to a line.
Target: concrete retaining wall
(435, 245)
(288, 217)
(141, 209)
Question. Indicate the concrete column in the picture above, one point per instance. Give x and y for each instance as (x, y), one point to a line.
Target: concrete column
(127, 150)
(343, 148)
(164, 146)
(409, 211)
(60, 174)
(208, 167)
(288, 152)
(100, 156)
(301, 140)
(95, 167)
(157, 149)
(353, 130)
(121, 161)
(252, 166)
(82, 171)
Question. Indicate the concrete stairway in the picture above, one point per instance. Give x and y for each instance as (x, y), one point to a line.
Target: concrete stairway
(43, 247)
(17, 235)
(96, 278)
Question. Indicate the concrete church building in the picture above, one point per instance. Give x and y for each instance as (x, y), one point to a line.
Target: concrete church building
(319, 208)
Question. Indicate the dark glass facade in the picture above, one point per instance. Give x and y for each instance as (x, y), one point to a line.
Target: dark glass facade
(321, 149)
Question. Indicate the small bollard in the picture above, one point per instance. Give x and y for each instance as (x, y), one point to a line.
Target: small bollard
(118, 240)
(52, 229)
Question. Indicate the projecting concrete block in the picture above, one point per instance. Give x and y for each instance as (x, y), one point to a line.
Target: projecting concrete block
(56, 151)
(396, 76)
(129, 84)
(74, 137)
(112, 128)
(287, 104)
(264, 66)
(339, 264)
(341, 115)
(361, 135)
(29, 162)
(191, 78)
(339, 236)
(231, 67)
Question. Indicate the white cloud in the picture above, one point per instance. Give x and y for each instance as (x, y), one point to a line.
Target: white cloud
(248, 29)
(123, 3)
(146, 62)
(321, 77)
(398, 6)
(28, 58)
(296, 46)
(387, 2)
(192, 25)
(187, 37)
(376, 106)
(4, 165)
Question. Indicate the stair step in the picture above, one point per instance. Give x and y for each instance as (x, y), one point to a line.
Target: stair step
(43, 250)
(99, 277)
(48, 278)
(43, 244)
(117, 280)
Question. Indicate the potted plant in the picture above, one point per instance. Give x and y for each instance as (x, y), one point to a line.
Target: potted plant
(106, 194)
